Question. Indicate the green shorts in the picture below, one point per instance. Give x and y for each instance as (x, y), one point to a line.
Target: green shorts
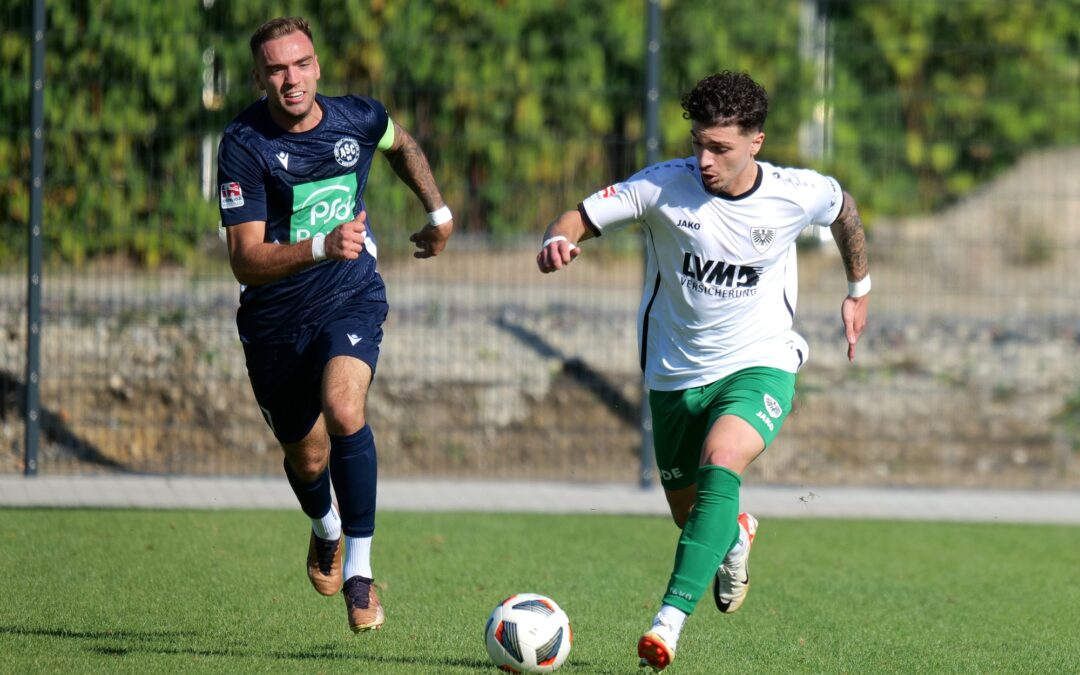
(682, 419)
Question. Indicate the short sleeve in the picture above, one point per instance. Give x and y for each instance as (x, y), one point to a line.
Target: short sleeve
(370, 119)
(826, 199)
(241, 186)
(621, 204)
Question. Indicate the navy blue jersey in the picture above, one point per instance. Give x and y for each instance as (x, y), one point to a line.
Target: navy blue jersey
(300, 185)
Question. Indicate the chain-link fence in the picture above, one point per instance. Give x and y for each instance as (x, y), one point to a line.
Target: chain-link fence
(967, 374)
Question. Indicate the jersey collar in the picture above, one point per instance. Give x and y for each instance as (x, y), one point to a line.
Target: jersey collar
(744, 195)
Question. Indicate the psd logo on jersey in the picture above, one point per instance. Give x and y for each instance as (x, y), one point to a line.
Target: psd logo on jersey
(347, 151)
(762, 237)
(322, 205)
(231, 195)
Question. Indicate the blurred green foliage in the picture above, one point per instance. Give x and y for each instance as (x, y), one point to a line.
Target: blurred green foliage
(523, 107)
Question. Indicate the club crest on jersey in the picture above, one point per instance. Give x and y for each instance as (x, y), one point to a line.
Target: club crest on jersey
(762, 237)
(347, 151)
(231, 195)
(773, 406)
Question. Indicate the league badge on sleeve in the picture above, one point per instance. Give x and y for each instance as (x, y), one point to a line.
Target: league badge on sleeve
(231, 196)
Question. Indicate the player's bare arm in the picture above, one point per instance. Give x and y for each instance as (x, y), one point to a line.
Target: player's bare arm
(560, 241)
(256, 262)
(850, 238)
(411, 165)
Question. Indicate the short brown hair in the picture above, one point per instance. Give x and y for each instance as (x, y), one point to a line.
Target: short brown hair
(275, 28)
(727, 98)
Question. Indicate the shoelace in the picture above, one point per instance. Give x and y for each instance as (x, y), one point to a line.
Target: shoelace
(358, 592)
(325, 549)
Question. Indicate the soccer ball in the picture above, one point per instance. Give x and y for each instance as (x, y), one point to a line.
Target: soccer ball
(528, 633)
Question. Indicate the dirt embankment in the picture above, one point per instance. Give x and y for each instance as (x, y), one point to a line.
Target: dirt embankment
(967, 374)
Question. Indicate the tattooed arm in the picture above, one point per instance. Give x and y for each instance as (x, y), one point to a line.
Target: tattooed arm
(411, 165)
(850, 238)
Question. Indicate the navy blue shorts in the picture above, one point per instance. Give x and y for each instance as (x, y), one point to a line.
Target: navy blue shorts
(287, 377)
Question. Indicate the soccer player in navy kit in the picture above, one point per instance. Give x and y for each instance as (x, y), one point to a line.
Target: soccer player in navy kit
(292, 169)
(714, 325)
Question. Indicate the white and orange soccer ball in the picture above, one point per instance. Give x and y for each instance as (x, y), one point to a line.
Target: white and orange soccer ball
(528, 633)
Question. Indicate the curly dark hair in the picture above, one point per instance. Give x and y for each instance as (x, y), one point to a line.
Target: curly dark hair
(725, 99)
(280, 27)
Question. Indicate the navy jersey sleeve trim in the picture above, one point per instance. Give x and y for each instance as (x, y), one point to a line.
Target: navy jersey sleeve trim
(587, 220)
(645, 322)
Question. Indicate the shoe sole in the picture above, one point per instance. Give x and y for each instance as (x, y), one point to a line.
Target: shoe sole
(380, 619)
(653, 653)
(376, 622)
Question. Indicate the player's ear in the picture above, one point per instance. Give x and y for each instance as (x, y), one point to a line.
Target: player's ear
(755, 144)
(318, 70)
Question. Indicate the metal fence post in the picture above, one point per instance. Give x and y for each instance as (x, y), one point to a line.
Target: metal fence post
(652, 151)
(32, 413)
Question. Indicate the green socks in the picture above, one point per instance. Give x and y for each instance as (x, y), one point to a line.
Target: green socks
(711, 531)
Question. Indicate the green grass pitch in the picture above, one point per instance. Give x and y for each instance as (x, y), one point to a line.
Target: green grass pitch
(122, 591)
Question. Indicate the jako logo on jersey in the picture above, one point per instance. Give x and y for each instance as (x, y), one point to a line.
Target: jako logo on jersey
(762, 237)
(609, 191)
(718, 272)
(231, 196)
(347, 151)
(688, 224)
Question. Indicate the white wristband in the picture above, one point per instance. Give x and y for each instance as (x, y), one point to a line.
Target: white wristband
(318, 247)
(440, 216)
(857, 289)
(558, 237)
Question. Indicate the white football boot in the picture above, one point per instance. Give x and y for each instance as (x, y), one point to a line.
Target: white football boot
(732, 581)
(656, 648)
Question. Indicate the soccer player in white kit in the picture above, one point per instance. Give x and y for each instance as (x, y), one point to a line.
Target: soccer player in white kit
(715, 323)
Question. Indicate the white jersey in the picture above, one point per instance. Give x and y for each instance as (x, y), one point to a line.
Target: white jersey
(721, 279)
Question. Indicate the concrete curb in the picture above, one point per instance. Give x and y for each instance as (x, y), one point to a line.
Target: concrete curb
(171, 492)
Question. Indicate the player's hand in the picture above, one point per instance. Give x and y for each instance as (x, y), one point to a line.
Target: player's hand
(347, 239)
(853, 312)
(430, 240)
(557, 254)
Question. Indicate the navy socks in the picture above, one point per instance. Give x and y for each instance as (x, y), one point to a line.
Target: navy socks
(354, 470)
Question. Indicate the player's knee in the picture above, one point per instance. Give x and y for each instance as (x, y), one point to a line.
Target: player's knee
(730, 457)
(343, 418)
(307, 465)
